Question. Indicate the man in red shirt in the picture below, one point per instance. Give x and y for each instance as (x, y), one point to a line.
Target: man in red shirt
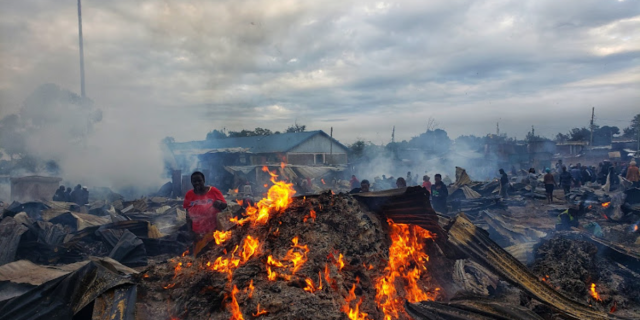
(203, 204)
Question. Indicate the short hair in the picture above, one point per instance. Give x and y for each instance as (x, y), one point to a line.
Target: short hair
(438, 175)
(198, 173)
(365, 181)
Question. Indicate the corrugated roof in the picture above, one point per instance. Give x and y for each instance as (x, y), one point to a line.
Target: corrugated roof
(282, 142)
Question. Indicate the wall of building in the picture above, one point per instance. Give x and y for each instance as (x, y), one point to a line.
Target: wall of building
(34, 188)
(318, 144)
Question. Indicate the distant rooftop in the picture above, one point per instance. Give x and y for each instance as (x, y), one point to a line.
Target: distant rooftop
(282, 142)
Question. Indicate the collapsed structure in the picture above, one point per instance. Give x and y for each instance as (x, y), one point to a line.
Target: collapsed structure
(380, 255)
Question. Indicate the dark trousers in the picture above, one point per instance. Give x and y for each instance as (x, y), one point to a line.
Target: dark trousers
(566, 189)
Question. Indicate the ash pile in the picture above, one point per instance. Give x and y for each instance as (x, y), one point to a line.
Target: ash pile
(320, 257)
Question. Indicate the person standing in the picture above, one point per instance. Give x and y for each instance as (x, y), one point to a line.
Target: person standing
(439, 194)
(59, 196)
(633, 174)
(504, 184)
(203, 203)
(565, 182)
(426, 183)
(401, 183)
(549, 185)
(354, 182)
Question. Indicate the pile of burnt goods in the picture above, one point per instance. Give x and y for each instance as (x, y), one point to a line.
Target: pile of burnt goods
(379, 255)
(588, 272)
(60, 232)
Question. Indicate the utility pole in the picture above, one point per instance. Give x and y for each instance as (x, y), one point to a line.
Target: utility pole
(81, 50)
(393, 135)
(498, 128)
(331, 146)
(593, 110)
(533, 132)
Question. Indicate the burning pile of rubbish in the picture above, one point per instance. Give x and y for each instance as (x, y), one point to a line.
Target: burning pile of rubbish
(320, 257)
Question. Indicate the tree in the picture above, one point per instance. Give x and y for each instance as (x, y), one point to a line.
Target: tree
(470, 142)
(580, 134)
(633, 130)
(296, 128)
(433, 141)
(560, 137)
(216, 134)
(357, 149)
(248, 133)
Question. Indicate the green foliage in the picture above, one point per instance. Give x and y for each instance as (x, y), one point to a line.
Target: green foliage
(248, 133)
(216, 134)
(296, 128)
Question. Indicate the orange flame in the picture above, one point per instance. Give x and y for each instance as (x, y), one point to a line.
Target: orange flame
(221, 236)
(406, 266)
(236, 314)
(322, 181)
(278, 198)
(635, 227)
(606, 204)
(177, 269)
(259, 312)
(250, 247)
(250, 288)
(594, 293)
(353, 313)
(271, 275)
(282, 165)
(310, 286)
(340, 263)
(312, 215)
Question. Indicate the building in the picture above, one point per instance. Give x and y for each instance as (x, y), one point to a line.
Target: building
(227, 161)
(34, 188)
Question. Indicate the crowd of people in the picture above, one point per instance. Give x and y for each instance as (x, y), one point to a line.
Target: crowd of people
(79, 195)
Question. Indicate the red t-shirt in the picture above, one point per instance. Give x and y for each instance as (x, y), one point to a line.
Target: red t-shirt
(201, 211)
(427, 185)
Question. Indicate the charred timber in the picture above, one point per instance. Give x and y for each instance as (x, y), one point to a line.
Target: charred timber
(475, 243)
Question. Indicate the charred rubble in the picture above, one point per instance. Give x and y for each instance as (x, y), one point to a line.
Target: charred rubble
(379, 255)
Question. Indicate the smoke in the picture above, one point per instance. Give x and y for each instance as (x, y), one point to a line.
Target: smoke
(60, 133)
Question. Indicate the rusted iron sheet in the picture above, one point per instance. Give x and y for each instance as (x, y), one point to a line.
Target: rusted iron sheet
(475, 243)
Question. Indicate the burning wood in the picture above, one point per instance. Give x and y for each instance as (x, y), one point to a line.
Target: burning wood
(320, 257)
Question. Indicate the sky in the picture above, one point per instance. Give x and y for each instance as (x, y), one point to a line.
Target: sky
(183, 68)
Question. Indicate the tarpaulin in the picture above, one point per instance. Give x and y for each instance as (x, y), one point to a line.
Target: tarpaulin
(127, 248)
(63, 297)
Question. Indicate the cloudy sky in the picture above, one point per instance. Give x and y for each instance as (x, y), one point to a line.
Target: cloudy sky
(182, 68)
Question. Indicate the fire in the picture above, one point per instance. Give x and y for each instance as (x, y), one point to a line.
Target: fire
(271, 275)
(177, 269)
(406, 266)
(594, 293)
(259, 312)
(250, 288)
(282, 165)
(340, 264)
(606, 204)
(353, 314)
(327, 276)
(250, 247)
(312, 215)
(322, 180)
(236, 314)
(310, 286)
(278, 198)
(635, 227)
(221, 236)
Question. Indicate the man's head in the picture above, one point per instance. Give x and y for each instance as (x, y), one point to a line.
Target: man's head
(425, 178)
(353, 176)
(61, 188)
(633, 163)
(564, 168)
(438, 178)
(78, 187)
(364, 185)
(197, 181)
(69, 189)
(401, 183)
(409, 173)
(501, 171)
